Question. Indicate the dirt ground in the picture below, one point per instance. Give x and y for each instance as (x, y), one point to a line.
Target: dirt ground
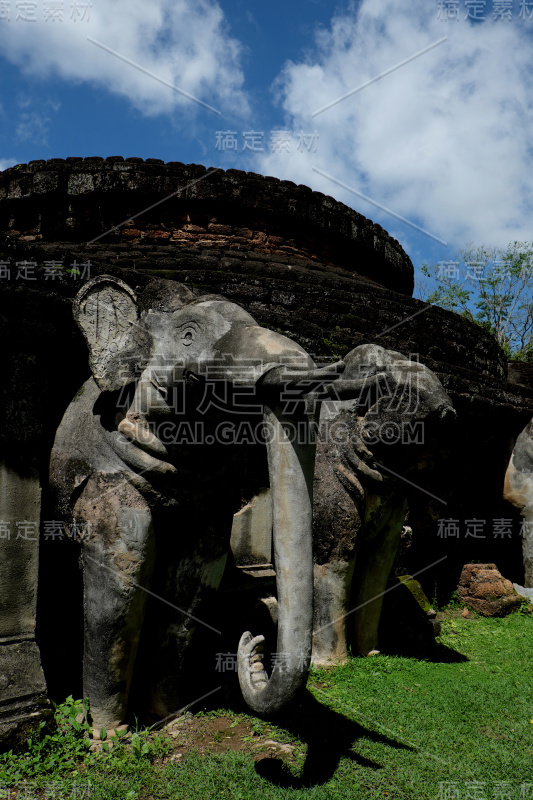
(220, 734)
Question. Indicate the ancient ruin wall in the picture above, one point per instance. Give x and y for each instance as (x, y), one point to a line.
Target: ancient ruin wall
(79, 199)
(296, 259)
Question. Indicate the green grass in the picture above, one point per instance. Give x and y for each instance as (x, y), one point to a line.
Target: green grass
(381, 727)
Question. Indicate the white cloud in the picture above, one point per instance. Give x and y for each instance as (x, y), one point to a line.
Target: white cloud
(444, 140)
(184, 42)
(32, 127)
(5, 163)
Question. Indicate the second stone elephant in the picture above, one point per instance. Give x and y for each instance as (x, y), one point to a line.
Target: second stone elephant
(370, 449)
(369, 454)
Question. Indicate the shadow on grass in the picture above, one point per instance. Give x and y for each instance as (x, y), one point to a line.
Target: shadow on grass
(436, 653)
(330, 736)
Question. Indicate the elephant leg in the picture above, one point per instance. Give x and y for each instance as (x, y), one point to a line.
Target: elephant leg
(117, 559)
(185, 631)
(332, 582)
(372, 569)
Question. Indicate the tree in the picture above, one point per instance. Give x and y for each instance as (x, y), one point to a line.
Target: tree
(490, 286)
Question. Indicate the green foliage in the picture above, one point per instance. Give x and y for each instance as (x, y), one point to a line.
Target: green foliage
(492, 287)
(525, 607)
(455, 601)
(333, 348)
(61, 745)
(145, 746)
(55, 745)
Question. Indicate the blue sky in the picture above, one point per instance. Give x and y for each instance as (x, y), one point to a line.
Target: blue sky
(443, 141)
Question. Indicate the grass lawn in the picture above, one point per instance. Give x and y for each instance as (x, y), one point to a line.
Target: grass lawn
(457, 725)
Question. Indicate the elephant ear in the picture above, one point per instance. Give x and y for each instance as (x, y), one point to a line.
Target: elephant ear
(106, 311)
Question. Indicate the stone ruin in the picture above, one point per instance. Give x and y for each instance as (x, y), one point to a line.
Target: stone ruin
(305, 267)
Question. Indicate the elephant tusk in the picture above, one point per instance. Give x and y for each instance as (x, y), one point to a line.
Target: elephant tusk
(291, 468)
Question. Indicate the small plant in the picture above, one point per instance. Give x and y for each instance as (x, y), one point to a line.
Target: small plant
(56, 745)
(333, 347)
(144, 744)
(526, 606)
(455, 601)
(140, 745)
(62, 744)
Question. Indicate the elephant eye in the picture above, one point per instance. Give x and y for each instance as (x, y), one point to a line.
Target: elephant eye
(187, 333)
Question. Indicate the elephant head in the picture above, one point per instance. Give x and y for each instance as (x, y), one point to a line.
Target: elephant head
(168, 340)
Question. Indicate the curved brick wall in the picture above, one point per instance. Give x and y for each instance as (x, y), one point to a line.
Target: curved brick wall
(296, 259)
(79, 199)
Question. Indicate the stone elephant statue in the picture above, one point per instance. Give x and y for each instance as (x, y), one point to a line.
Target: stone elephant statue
(147, 464)
(518, 490)
(369, 455)
(376, 441)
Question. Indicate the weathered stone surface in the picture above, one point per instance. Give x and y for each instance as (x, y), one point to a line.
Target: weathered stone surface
(521, 373)
(22, 689)
(332, 590)
(251, 532)
(22, 686)
(524, 591)
(20, 505)
(483, 589)
(225, 203)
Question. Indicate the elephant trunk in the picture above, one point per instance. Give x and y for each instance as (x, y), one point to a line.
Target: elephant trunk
(291, 467)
